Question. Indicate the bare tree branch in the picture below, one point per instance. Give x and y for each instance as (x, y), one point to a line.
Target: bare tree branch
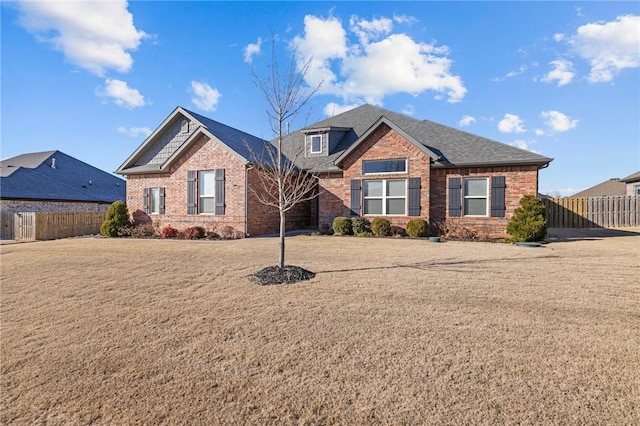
(282, 184)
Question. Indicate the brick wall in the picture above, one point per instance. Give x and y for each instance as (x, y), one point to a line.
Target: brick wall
(204, 154)
(384, 143)
(265, 219)
(520, 181)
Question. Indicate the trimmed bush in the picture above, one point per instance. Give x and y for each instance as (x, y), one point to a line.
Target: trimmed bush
(360, 225)
(194, 233)
(116, 218)
(417, 228)
(342, 226)
(528, 222)
(168, 232)
(381, 226)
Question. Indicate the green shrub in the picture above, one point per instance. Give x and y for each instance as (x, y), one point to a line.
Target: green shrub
(528, 222)
(417, 228)
(116, 218)
(194, 233)
(360, 225)
(342, 226)
(381, 226)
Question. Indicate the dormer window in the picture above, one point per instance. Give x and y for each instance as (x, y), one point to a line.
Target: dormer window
(316, 144)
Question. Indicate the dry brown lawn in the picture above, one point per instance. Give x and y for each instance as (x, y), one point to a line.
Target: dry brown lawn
(391, 331)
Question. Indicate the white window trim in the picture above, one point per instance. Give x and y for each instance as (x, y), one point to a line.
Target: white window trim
(207, 196)
(384, 197)
(406, 167)
(466, 197)
(155, 200)
(310, 142)
(184, 126)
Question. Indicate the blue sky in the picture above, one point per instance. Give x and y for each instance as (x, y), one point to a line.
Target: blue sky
(558, 78)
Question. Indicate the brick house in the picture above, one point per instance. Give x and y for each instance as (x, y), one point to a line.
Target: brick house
(53, 181)
(371, 162)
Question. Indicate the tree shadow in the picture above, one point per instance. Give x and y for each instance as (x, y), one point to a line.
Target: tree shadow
(429, 265)
(560, 235)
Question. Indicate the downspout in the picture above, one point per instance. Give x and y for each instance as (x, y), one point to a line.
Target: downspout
(246, 199)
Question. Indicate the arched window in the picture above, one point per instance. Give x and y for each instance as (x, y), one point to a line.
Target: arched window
(184, 128)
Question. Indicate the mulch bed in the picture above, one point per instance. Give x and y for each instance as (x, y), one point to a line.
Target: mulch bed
(276, 275)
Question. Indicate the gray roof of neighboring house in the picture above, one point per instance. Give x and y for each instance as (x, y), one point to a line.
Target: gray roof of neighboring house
(632, 178)
(449, 146)
(32, 177)
(609, 187)
(242, 144)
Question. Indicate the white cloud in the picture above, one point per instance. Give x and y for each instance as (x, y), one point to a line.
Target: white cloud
(204, 96)
(408, 109)
(375, 63)
(557, 121)
(134, 132)
(539, 132)
(121, 94)
(251, 50)
(609, 47)
(366, 30)
(519, 143)
(405, 19)
(96, 36)
(559, 37)
(333, 108)
(511, 124)
(467, 120)
(562, 72)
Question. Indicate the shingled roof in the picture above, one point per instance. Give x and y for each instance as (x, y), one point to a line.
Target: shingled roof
(609, 187)
(447, 146)
(157, 153)
(56, 176)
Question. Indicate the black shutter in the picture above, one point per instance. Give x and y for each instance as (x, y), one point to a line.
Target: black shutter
(414, 196)
(161, 207)
(356, 192)
(219, 191)
(191, 192)
(145, 200)
(498, 205)
(455, 197)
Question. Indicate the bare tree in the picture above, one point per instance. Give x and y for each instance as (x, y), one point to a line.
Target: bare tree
(283, 184)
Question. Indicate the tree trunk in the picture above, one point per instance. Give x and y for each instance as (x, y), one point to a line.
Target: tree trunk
(282, 239)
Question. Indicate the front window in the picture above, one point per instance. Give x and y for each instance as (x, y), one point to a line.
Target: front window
(475, 197)
(637, 188)
(385, 197)
(370, 167)
(206, 190)
(316, 144)
(155, 200)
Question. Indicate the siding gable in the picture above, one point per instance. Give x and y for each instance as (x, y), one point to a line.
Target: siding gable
(168, 142)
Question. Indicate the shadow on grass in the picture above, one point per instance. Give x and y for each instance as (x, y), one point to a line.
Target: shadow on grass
(426, 266)
(559, 235)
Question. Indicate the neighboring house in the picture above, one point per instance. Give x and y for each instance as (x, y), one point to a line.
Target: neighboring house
(632, 183)
(52, 181)
(609, 187)
(371, 162)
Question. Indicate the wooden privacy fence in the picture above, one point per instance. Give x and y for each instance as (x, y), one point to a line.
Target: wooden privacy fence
(593, 212)
(31, 226)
